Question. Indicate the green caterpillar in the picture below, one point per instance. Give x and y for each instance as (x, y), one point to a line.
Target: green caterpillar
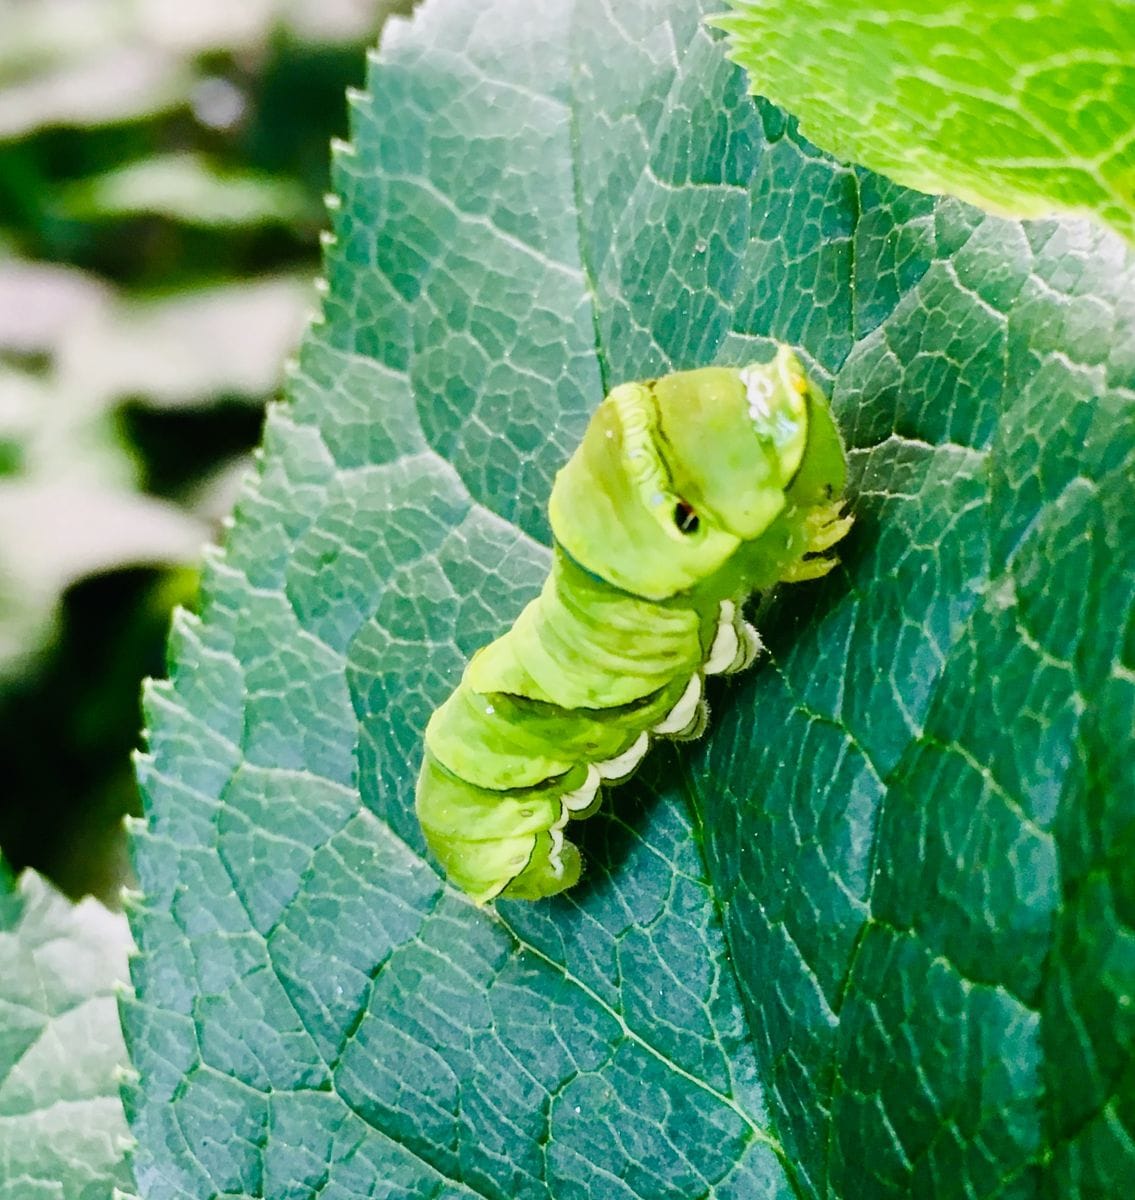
(687, 494)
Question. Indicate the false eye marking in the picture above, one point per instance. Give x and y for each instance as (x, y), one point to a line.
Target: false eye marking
(685, 518)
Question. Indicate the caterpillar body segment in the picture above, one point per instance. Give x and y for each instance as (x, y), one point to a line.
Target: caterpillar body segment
(687, 494)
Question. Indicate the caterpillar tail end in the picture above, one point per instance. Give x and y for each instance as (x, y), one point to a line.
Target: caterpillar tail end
(507, 843)
(541, 879)
(536, 879)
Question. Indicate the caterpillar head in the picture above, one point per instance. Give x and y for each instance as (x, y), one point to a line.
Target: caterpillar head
(673, 476)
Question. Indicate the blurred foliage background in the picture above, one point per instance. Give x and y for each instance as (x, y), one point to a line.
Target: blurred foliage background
(162, 168)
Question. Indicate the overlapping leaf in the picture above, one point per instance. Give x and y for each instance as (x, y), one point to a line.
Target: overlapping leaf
(1026, 110)
(62, 1132)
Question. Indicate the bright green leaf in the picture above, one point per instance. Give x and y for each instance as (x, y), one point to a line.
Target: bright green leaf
(873, 937)
(1025, 110)
(62, 1130)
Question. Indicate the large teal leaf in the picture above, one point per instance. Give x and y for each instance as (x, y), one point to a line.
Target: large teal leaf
(872, 936)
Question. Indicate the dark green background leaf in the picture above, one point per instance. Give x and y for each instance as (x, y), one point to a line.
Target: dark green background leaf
(873, 935)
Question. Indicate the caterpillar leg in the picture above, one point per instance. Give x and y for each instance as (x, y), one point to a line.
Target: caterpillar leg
(808, 568)
(736, 645)
(727, 643)
(683, 713)
(622, 765)
(584, 797)
(823, 527)
(749, 649)
(687, 719)
(697, 725)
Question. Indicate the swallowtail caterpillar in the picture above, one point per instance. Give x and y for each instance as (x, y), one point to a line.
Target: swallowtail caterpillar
(687, 494)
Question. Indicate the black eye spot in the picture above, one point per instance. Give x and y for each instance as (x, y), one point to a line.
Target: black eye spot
(685, 517)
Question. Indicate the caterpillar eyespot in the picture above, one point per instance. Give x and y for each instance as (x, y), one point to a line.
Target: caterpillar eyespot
(687, 494)
(685, 518)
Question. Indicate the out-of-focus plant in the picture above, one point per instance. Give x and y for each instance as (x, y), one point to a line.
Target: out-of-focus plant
(161, 175)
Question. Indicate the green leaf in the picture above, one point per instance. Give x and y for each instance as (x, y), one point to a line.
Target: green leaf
(62, 1129)
(873, 936)
(1025, 110)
